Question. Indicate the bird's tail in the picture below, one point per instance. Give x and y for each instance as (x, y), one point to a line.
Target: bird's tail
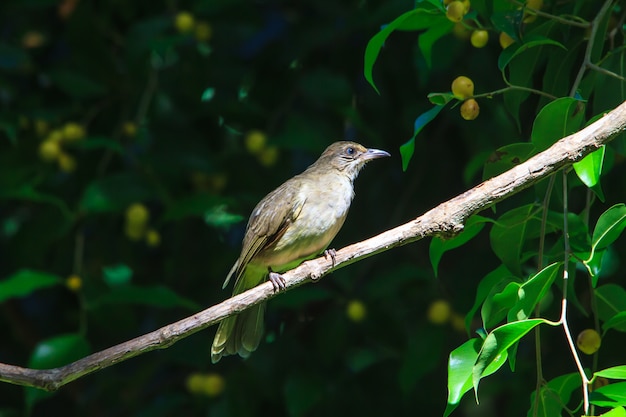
(241, 334)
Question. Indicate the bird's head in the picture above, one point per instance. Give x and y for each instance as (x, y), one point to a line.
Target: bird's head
(347, 157)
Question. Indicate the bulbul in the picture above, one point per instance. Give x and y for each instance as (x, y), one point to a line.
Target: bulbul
(294, 223)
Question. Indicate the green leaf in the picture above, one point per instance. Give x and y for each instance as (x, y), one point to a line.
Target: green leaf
(26, 281)
(499, 302)
(115, 275)
(611, 300)
(439, 246)
(556, 120)
(486, 285)
(219, 217)
(441, 99)
(507, 157)
(616, 412)
(413, 366)
(615, 372)
(115, 193)
(460, 365)
(532, 291)
(153, 296)
(497, 342)
(609, 227)
(52, 353)
(77, 84)
(612, 395)
(618, 322)
(440, 26)
(508, 235)
(507, 55)
(97, 143)
(554, 395)
(417, 19)
(193, 206)
(589, 168)
(407, 149)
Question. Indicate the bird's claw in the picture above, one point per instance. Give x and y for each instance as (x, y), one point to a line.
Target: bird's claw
(278, 281)
(333, 255)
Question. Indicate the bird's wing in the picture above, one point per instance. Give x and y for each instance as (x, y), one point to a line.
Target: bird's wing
(268, 223)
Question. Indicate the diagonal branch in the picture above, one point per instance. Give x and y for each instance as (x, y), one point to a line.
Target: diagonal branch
(446, 219)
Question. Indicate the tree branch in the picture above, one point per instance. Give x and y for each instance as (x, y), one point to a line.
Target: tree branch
(445, 220)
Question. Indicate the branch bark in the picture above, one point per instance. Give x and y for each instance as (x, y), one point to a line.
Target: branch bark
(447, 219)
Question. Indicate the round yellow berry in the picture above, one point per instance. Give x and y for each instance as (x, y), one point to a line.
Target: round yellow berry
(506, 40)
(49, 150)
(184, 22)
(194, 383)
(33, 39)
(466, 4)
(255, 141)
(356, 311)
(66, 162)
(529, 12)
(129, 129)
(460, 31)
(470, 109)
(455, 11)
(41, 127)
(138, 214)
(153, 238)
(588, 341)
(73, 132)
(268, 156)
(203, 32)
(458, 322)
(55, 136)
(462, 87)
(134, 231)
(213, 384)
(479, 38)
(439, 312)
(74, 283)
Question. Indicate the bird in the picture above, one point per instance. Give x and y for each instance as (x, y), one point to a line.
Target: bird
(294, 223)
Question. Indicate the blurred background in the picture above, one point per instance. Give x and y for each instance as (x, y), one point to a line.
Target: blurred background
(136, 139)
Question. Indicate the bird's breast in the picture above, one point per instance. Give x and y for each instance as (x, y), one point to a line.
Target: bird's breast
(326, 205)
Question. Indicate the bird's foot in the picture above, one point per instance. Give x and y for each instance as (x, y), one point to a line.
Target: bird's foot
(277, 280)
(333, 255)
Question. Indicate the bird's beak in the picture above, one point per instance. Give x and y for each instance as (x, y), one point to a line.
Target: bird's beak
(374, 154)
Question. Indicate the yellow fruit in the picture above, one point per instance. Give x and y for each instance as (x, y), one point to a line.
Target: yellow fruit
(74, 283)
(203, 32)
(210, 385)
(455, 11)
(194, 383)
(462, 87)
(439, 312)
(41, 127)
(153, 238)
(268, 156)
(466, 5)
(479, 38)
(33, 39)
(470, 109)
(458, 322)
(588, 341)
(49, 150)
(55, 136)
(529, 13)
(129, 129)
(66, 162)
(73, 132)
(506, 40)
(134, 231)
(213, 385)
(137, 214)
(184, 22)
(356, 311)
(255, 141)
(460, 31)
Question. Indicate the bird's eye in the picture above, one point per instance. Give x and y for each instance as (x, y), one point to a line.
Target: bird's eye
(350, 151)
